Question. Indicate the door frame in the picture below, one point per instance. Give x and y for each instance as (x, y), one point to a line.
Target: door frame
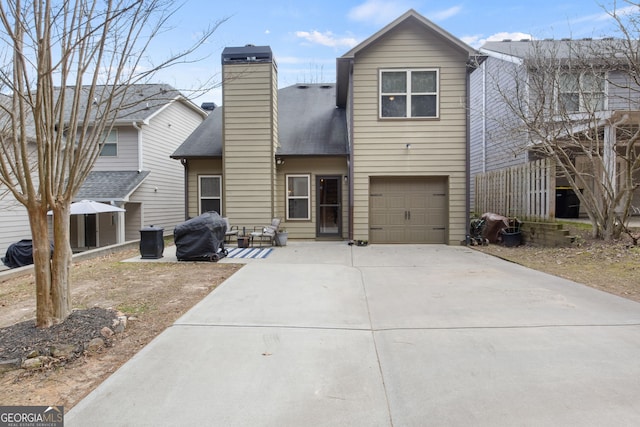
(320, 206)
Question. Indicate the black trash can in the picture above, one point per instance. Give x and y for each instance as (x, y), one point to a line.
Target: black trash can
(151, 242)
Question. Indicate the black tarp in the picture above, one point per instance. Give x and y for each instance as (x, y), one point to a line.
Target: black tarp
(20, 254)
(201, 238)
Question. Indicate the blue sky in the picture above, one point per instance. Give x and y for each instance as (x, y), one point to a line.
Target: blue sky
(307, 36)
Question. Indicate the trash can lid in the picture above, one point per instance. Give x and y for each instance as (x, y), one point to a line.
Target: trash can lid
(151, 228)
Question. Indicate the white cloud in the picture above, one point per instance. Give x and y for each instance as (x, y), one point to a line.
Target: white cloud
(378, 12)
(477, 41)
(444, 14)
(326, 39)
(604, 16)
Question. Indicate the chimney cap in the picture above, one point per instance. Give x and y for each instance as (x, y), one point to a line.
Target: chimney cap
(247, 54)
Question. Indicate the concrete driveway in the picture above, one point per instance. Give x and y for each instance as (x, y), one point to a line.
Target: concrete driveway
(324, 334)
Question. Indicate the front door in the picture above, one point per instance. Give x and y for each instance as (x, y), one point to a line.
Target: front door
(329, 222)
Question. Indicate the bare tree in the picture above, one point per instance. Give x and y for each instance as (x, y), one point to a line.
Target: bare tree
(577, 102)
(68, 68)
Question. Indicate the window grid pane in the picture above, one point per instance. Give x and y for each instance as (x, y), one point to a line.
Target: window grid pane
(210, 187)
(394, 106)
(109, 150)
(394, 82)
(423, 106)
(423, 82)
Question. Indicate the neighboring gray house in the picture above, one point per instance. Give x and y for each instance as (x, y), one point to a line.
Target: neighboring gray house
(134, 171)
(598, 90)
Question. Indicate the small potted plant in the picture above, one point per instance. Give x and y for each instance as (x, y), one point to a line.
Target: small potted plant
(281, 237)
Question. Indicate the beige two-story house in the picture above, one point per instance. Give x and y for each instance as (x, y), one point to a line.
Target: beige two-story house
(380, 155)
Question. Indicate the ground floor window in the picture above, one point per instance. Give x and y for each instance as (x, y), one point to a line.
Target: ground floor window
(298, 200)
(210, 193)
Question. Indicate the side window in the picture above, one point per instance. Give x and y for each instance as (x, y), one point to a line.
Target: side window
(581, 92)
(409, 93)
(298, 200)
(110, 144)
(210, 193)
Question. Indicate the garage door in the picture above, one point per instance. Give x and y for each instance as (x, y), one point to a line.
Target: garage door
(408, 210)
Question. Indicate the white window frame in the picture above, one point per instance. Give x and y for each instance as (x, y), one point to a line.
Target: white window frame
(294, 197)
(110, 139)
(408, 93)
(581, 91)
(201, 197)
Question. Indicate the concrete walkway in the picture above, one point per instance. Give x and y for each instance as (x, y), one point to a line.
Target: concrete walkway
(324, 334)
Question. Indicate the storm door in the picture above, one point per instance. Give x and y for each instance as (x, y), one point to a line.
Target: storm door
(329, 223)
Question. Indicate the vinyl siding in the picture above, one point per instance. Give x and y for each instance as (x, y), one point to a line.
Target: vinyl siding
(198, 168)
(492, 144)
(476, 129)
(127, 158)
(14, 224)
(165, 132)
(438, 146)
(250, 111)
(622, 92)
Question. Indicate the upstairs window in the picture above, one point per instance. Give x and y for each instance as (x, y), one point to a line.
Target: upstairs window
(298, 200)
(581, 92)
(110, 144)
(409, 93)
(210, 197)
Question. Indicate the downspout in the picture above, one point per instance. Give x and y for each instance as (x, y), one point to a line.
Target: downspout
(350, 135)
(484, 117)
(467, 201)
(139, 129)
(186, 188)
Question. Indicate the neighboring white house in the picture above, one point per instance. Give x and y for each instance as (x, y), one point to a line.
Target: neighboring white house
(585, 90)
(134, 171)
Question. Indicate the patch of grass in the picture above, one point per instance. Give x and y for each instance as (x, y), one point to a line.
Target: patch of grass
(136, 309)
(585, 226)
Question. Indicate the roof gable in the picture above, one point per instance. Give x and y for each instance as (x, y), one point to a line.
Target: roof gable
(411, 14)
(343, 67)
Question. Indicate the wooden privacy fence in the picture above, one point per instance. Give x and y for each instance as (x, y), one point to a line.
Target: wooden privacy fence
(525, 191)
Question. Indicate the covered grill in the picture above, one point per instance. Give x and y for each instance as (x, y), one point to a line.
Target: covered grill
(201, 238)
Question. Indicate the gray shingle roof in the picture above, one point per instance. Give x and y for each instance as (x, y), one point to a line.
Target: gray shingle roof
(105, 186)
(558, 49)
(309, 123)
(138, 102)
(205, 140)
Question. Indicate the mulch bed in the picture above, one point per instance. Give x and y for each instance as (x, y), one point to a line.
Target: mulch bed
(22, 339)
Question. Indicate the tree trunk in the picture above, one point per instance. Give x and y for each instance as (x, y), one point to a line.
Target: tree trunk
(61, 265)
(42, 267)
